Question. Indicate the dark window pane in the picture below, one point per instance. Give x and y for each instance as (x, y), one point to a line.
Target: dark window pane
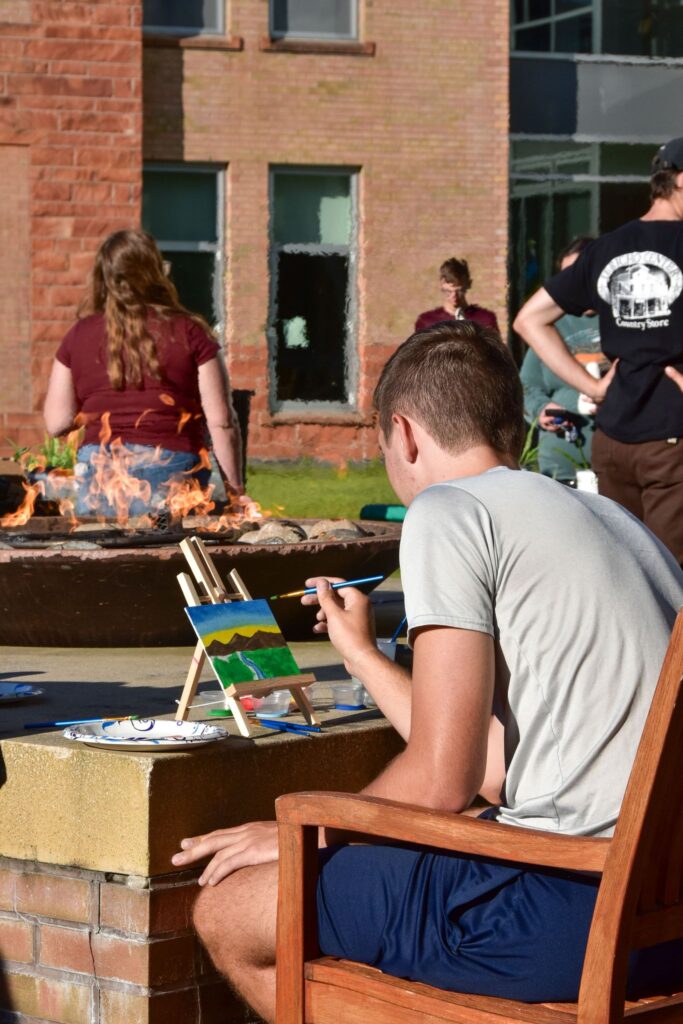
(539, 9)
(519, 11)
(313, 17)
(180, 206)
(624, 158)
(312, 208)
(197, 15)
(310, 327)
(574, 35)
(567, 6)
(193, 275)
(622, 201)
(652, 29)
(536, 39)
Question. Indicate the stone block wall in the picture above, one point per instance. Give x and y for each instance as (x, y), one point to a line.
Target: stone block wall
(87, 947)
(70, 172)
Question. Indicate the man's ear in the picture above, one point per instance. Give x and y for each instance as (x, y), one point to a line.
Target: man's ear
(679, 180)
(406, 436)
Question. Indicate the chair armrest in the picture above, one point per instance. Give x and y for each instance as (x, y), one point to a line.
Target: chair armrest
(441, 829)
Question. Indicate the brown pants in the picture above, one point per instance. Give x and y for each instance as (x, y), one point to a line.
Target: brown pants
(647, 479)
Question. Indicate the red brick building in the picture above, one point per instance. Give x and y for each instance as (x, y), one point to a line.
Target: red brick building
(306, 168)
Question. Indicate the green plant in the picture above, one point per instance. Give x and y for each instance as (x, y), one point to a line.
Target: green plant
(580, 463)
(529, 457)
(53, 453)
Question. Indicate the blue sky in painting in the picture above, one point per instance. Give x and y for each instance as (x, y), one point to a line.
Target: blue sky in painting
(214, 618)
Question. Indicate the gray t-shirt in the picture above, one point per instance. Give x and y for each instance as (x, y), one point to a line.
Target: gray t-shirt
(580, 598)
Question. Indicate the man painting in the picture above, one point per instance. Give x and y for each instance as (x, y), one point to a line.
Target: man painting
(527, 604)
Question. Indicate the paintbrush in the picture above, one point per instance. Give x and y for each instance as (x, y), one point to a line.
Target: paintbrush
(77, 721)
(333, 586)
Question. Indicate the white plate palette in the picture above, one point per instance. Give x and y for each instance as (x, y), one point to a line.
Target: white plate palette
(157, 734)
(10, 693)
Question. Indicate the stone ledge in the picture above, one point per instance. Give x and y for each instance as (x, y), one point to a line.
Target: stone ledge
(124, 813)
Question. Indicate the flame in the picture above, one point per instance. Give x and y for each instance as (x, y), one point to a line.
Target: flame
(25, 510)
(166, 399)
(141, 417)
(105, 430)
(342, 470)
(184, 417)
(113, 480)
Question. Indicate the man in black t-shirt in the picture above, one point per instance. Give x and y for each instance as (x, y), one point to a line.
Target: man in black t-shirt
(633, 277)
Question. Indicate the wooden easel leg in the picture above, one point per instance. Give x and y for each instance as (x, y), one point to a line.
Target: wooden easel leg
(304, 705)
(192, 682)
(238, 714)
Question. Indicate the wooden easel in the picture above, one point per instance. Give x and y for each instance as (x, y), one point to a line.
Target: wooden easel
(214, 592)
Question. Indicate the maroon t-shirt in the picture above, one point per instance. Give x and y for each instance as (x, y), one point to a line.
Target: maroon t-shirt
(164, 412)
(478, 314)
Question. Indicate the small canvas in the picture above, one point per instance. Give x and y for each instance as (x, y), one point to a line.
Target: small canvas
(242, 641)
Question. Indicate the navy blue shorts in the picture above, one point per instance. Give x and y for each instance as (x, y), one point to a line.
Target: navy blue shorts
(469, 925)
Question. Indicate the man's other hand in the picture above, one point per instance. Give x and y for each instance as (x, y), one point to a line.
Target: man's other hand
(547, 417)
(229, 849)
(675, 375)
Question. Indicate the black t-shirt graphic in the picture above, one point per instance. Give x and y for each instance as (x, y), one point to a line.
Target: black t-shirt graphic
(633, 277)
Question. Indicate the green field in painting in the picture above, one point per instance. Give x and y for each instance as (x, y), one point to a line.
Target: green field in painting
(274, 661)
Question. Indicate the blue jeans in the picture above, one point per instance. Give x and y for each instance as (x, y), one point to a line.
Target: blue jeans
(149, 471)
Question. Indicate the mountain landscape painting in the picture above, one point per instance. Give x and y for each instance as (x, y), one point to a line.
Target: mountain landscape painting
(242, 641)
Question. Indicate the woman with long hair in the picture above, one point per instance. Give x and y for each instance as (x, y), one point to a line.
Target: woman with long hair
(145, 378)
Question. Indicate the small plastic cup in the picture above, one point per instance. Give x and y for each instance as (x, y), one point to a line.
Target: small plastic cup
(348, 696)
(388, 648)
(586, 480)
(275, 705)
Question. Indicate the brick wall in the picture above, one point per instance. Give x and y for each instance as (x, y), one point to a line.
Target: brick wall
(70, 165)
(424, 117)
(426, 120)
(79, 948)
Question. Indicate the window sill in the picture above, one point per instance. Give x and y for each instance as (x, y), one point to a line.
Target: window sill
(201, 42)
(321, 46)
(337, 419)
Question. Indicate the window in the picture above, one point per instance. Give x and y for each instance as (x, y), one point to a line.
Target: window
(183, 17)
(561, 189)
(182, 208)
(313, 19)
(642, 28)
(553, 26)
(312, 287)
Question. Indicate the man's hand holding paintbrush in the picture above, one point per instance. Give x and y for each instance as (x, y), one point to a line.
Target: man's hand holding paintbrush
(346, 616)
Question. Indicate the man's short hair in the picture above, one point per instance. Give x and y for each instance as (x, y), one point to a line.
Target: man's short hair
(456, 272)
(666, 166)
(459, 381)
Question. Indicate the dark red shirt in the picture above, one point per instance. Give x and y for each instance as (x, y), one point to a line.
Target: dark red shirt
(478, 314)
(164, 412)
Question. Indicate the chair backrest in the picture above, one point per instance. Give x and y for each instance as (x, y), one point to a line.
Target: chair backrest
(640, 901)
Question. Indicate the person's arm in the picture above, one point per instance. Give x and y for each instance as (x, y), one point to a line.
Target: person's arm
(538, 401)
(61, 406)
(222, 422)
(444, 763)
(675, 375)
(535, 324)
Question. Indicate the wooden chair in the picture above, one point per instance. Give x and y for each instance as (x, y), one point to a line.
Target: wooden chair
(639, 903)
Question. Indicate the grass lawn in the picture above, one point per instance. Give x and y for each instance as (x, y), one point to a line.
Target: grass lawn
(305, 489)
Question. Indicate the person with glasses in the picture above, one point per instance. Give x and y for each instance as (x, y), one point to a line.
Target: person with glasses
(455, 282)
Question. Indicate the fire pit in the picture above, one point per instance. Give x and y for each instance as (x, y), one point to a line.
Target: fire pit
(108, 586)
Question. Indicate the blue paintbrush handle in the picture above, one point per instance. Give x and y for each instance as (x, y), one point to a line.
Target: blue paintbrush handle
(272, 723)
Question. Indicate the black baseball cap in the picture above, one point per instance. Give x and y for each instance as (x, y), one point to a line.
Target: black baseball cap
(670, 155)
